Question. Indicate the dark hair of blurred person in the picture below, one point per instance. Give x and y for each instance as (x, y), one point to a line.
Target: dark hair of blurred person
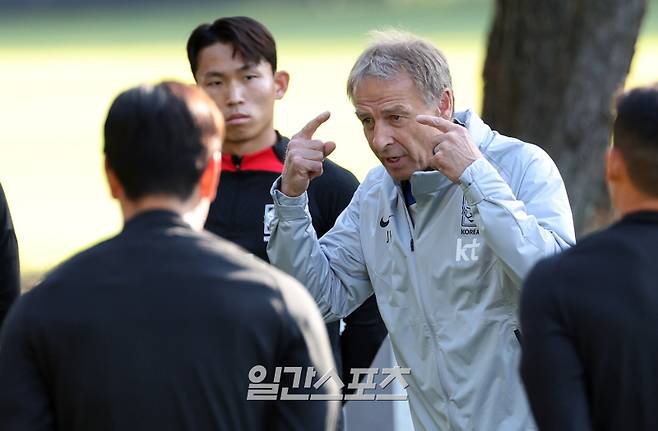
(156, 144)
(160, 143)
(636, 137)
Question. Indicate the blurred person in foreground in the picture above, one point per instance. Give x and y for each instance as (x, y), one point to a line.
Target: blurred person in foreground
(158, 327)
(9, 266)
(234, 60)
(590, 314)
(442, 233)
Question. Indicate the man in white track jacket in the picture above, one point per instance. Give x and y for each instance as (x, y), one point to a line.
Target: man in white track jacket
(443, 234)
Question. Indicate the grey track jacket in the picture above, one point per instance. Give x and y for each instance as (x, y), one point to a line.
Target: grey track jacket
(446, 272)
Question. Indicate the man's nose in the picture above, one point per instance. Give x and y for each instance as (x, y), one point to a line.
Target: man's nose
(235, 93)
(381, 136)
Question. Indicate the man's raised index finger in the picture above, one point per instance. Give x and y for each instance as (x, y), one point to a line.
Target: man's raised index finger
(310, 128)
(437, 122)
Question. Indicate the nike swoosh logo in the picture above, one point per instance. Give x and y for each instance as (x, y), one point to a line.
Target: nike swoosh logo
(383, 223)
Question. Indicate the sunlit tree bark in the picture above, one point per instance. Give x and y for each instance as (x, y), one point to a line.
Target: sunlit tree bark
(551, 71)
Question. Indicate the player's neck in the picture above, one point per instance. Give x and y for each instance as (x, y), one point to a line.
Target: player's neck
(632, 200)
(647, 205)
(258, 143)
(131, 208)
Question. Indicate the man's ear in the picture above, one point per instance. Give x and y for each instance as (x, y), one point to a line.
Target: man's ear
(116, 189)
(615, 167)
(281, 80)
(446, 108)
(210, 177)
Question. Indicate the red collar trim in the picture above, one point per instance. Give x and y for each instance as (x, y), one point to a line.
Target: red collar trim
(263, 160)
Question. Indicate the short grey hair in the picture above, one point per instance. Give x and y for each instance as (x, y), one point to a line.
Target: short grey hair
(395, 51)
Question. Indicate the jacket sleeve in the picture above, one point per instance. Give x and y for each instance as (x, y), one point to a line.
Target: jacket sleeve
(24, 401)
(522, 228)
(332, 269)
(551, 368)
(9, 266)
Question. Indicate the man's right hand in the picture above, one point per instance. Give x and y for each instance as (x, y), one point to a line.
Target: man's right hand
(304, 158)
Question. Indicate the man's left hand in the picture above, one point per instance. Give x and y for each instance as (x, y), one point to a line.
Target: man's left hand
(454, 149)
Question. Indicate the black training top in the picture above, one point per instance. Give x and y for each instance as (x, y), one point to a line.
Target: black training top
(241, 213)
(157, 329)
(590, 326)
(9, 272)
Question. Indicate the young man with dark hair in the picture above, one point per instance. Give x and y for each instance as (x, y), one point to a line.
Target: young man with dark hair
(159, 327)
(9, 266)
(590, 315)
(234, 60)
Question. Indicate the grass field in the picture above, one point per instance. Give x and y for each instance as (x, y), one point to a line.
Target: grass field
(59, 72)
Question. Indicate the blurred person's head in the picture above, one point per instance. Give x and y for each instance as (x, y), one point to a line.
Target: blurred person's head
(162, 150)
(396, 78)
(632, 160)
(234, 61)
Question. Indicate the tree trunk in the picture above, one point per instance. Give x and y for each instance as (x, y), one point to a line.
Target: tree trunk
(551, 71)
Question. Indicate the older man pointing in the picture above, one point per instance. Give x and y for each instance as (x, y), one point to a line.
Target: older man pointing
(442, 233)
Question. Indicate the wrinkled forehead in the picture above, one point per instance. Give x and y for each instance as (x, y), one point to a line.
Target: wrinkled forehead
(396, 89)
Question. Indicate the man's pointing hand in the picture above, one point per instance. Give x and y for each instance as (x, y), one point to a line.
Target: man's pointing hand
(304, 158)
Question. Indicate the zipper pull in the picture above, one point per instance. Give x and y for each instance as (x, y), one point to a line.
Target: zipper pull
(412, 244)
(237, 160)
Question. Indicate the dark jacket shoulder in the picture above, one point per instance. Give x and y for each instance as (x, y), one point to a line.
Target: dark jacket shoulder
(335, 177)
(599, 262)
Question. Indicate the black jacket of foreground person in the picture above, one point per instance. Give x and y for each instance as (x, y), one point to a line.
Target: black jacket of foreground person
(9, 268)
(157, 329)
(590, 320)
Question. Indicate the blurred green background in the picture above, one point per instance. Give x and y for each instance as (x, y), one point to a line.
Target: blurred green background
(60, 69)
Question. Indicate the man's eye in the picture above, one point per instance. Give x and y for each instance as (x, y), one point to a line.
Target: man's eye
(366, 121)
(214, 83)
(396, 117)
(250, 77)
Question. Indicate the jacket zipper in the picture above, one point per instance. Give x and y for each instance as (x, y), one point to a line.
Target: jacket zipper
(435, 342)
(409, 222)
